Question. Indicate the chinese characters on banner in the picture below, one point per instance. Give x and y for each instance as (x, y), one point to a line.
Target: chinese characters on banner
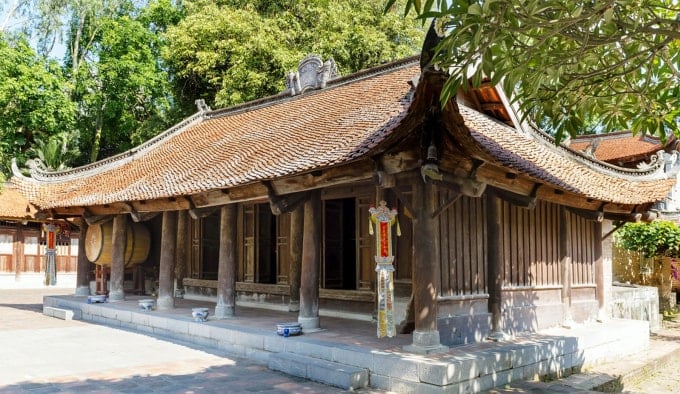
(383, 219)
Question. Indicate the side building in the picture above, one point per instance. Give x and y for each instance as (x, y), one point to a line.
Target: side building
(22, 242)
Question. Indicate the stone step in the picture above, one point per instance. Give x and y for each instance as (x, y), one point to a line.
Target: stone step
(335, 374)
(61, 313)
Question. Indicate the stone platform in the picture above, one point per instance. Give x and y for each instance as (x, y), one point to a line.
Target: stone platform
(348, 353)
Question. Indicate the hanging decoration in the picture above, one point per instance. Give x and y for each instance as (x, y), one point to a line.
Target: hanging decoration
(50, 232)
(384, 218)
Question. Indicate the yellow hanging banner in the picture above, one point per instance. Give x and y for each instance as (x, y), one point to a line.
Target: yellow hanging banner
(383, 218)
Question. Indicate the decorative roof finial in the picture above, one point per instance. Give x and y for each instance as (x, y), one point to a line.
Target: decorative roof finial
(202, 106)
(312, 73)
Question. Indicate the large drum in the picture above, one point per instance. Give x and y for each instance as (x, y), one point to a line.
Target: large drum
(99, 248)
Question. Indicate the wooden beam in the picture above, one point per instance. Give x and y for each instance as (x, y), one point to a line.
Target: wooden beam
(143, 216)
(95, 219)
(197, 213)
(596, 216)
(520, 200)
(618, 226)
(467, 186)
(401, 196)
(384, 180)
(283, 204)
(446, 205)
(623, 217)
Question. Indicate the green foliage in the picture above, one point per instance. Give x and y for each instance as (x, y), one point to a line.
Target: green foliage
(57, 151)
(573, 62)
(133, 68)
(123, 93)
(34, 101)
(659, 238)
(228, 52)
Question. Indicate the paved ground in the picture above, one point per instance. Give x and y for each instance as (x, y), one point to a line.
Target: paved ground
(663, 375)
(40, 354)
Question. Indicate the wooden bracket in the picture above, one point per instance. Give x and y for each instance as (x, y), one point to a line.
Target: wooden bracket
(446, 205)
(520, 200)
(197, 213)
(95, 219)
(596, 216)
(283, 204)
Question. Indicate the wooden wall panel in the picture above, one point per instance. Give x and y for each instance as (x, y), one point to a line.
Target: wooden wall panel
(583, 250)
(530, 245)
(6, 264)
(462, 245)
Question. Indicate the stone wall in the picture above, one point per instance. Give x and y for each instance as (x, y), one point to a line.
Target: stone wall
(631, 268)
(637, 303)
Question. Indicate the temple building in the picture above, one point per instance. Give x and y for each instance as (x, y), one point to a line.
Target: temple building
(269, 203)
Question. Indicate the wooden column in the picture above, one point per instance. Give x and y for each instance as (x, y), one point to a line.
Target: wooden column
(18, 255)
(311, 258)
(83, 265)
(296, 237)
(494, 207)
(118, 243)
(166, 279)
(599, 271)
(565, 265)
(181, 255)
(226, 270)
(426, 271)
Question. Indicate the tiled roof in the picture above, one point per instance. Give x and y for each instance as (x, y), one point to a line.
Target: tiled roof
(618, 147)
(13, 205)
(281, 137)
(538, 157)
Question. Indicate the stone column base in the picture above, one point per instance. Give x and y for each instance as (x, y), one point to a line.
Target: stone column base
(224, 311)
(602, 316)
(294, 306)
(116, 295)
(82, 291)
(498, 336)
(426, 342)
(309, 324)
(165, 302)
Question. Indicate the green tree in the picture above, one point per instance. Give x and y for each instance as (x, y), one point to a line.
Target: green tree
(34, 100)
(615, 62)
(56, 152)
(659, 238)
(124, 91)
(232, 51)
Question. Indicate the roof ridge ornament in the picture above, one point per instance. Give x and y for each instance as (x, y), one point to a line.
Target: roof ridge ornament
(312, 73)
(202, 106)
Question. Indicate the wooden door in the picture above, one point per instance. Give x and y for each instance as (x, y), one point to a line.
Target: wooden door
(333, 242)
(365, 242)
(265, 244)
(283, 248)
